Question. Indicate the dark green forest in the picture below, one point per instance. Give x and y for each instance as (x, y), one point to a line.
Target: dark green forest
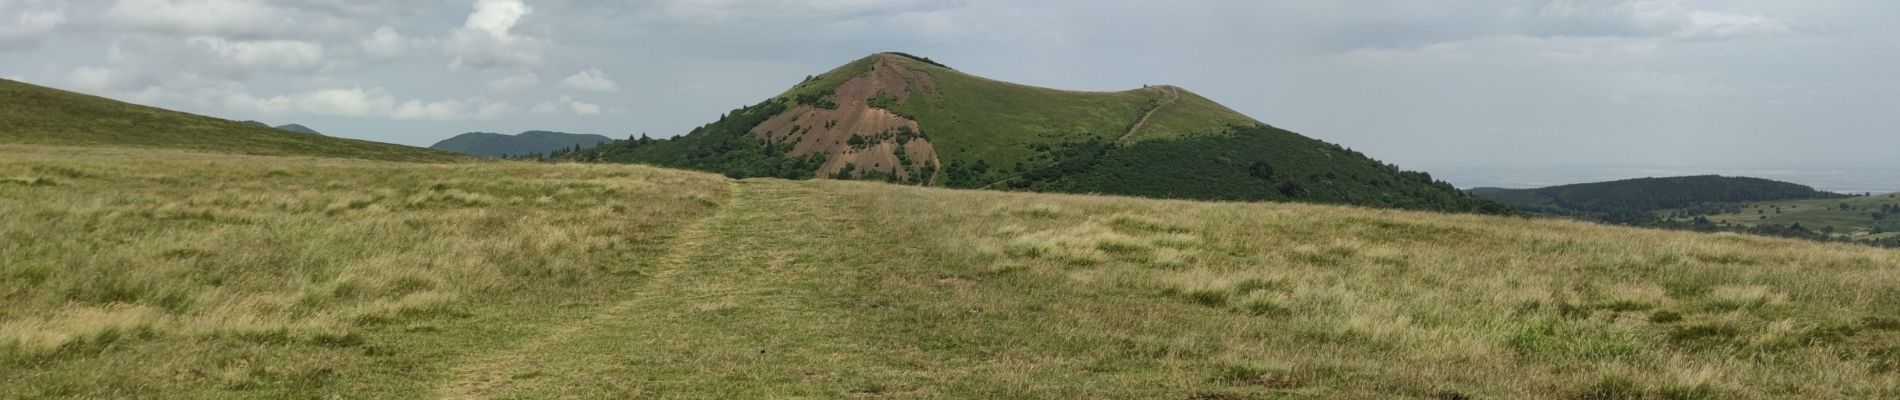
(1253, 163)
(1636, 201)
(725, 146)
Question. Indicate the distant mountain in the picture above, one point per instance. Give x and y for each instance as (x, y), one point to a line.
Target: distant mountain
(531, 142)
(900, 118)
(291, 128)
(1637, 200)
(299, 129)
(37, 115)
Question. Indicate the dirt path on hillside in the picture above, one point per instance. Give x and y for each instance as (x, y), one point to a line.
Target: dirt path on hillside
(1173, 94)
(497, 372)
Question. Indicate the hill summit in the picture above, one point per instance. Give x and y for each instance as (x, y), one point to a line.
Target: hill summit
(526, 143)
(902, 118)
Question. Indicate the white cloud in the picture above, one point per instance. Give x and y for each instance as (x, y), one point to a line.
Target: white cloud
(199, 17)
(91, 78)
(358, 102)
(347, 102)
(725, 10)
(278, 55)
(581, 108)
(385, 42)
(1652, 18)
(451, 110)
(591, 80)
(487, 38)
(23, 24)
(514, 83)
(566, 103)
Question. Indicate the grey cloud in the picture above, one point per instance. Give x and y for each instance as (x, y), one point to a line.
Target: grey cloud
(24, 23)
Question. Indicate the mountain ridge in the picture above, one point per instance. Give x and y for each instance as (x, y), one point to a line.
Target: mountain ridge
(895, 117)
(489, 144)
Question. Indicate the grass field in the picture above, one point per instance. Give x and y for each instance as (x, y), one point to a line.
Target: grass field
(1856, 220)
(162, 273)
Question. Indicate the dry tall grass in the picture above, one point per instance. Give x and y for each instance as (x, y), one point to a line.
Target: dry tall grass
(212, 272)
(197, 275)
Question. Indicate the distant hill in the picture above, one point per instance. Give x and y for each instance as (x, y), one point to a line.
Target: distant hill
(1633, 200)
(901, 118)
(531, 142)
(37, 115)
(291, 127)
(299, 129)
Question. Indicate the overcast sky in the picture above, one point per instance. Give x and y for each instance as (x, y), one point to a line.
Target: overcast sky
(1421, 83)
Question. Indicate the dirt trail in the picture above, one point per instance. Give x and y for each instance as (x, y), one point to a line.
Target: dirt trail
(1173, 94)
(492, 374)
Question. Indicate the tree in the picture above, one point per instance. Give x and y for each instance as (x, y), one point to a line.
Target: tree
(1260, 169)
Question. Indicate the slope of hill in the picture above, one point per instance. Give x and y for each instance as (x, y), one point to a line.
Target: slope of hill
(1639, 199)
(526, 143)
(899, 118)
(38, 115)
(232, 276)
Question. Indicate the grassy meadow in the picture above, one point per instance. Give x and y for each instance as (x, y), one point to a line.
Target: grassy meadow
(162, 273)
(138, 272)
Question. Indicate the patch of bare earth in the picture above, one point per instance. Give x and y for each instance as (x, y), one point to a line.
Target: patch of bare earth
(812, 130)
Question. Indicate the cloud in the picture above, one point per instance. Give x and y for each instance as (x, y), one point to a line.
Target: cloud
(452, 110)
(199, 17)
(566, 103)
(276, 55)
(24, 24)
(581, 108)
(1650, 18)
(514, 83)
(386, 43)
(373, 103)
(91, 78)
(591, 80)
(487, 38)
(246, 19)
(727, 10)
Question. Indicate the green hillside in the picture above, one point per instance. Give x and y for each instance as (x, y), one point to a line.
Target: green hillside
(1637, 200)
(901, 118)
(527, 143)
(1858, 217)
(32, 114)
(158, 273)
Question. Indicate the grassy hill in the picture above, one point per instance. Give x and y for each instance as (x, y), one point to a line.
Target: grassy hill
(169, 273)
(1637, 200)
(44, 116)
(1857, 220)
(531, 142)
(900, 118)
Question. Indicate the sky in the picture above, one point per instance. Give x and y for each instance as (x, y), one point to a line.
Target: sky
(1424, 84)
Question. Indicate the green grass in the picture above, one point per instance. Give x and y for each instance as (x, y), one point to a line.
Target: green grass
(37, 115)
(178, 274)
(974, 118)
(1857, 221)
